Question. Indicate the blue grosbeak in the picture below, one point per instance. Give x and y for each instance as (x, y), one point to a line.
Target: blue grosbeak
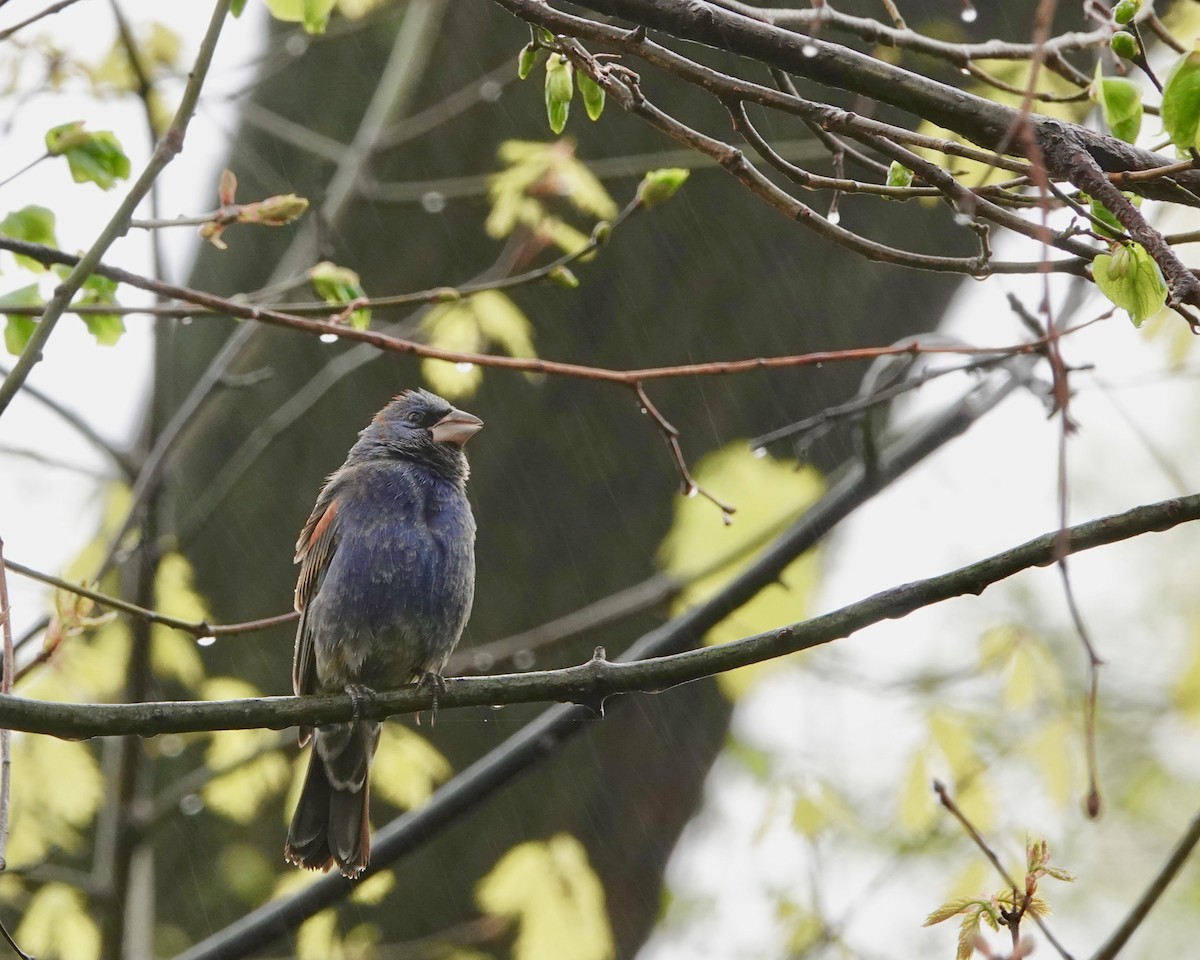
(387, 576)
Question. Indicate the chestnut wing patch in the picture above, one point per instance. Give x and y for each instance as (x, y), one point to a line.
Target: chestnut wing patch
(314, 549)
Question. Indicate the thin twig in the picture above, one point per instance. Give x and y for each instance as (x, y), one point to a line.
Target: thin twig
(9, 31)
(197, 628)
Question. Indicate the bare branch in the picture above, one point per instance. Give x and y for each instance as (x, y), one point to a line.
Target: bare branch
(597, 679)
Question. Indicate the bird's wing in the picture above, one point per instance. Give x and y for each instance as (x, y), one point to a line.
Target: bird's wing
(314, 549)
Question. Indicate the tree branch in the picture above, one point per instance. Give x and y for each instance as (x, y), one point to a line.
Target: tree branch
(598, 679)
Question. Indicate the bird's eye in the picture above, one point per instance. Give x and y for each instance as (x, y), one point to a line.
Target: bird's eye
(415, 417)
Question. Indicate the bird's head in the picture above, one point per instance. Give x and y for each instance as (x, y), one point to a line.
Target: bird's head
(421, 427)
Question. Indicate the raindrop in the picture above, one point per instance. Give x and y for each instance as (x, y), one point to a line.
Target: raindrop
(760, 452)
(464, 367)
(962, 219)
(834, 217)
(965, 71)
(489, 91)
(329, 337)
(969, 13)
(643, 409)
(170, 745)
(690, 492)
(809, 49)
(433, 201)
(523, 660)
(727, 518)
(191, 804)
(209, 641)
(484, 662)
(296, 44)
(185, 321)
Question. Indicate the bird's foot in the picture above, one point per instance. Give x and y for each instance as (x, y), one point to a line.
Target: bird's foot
(360, 694)
(435, 683)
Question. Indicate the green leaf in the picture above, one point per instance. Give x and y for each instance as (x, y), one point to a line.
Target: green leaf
(559, 90)
(236, 7)
(314, 14)
(593, 96)
(335, 284)
(1101, 212)
(107, 328)
(1131, 279)
(658, 186)
(1181, 101)
(1121, 104)
(19, 327)
(33, 224)
(92, 156)
(899, 175)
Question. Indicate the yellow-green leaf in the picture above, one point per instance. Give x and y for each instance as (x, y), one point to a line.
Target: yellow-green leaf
(335, 284)
(593, 96)
(559, 90)
(1131, 279)
(317, 938)
(257, 771)
(1121, 104)
(1055, 750)
(314, 14)
(658, 186)
(699, 547)
(33, 224)
(93, 156)
(51, 812)
(19, 327)
(372, 890)
(173, 652)
(407, 767)
(1181, 101)
(58, 923)
(917, 809)
(899, 175)
(552, 893)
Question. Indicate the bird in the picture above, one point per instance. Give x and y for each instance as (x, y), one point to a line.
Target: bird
(385, 587)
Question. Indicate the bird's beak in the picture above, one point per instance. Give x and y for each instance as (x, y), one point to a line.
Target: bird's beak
(456, 427)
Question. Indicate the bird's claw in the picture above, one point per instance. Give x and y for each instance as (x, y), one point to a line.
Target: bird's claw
(360, 694)
(435, 683)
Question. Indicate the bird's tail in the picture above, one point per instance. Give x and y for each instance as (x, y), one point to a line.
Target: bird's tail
(331, 822)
